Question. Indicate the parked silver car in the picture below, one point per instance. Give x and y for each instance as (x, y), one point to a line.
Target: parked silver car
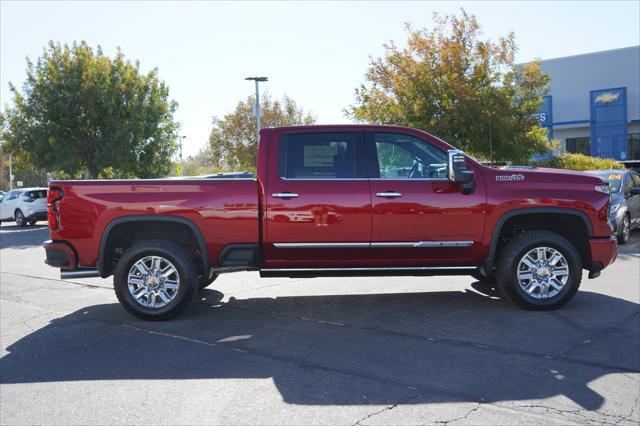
(624, 213)
(24, 206)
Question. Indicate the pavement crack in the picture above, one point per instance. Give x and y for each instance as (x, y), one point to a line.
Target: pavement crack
(463, 417)
(598, 334)
(446, 341)
(385, 409)
(57, 280)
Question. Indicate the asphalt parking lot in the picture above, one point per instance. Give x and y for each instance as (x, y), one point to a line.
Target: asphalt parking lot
(316, 351)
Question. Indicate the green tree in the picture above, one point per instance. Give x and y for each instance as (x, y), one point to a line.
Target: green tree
(464, 89)
(198, 164)
(232, 141)
(81, 112)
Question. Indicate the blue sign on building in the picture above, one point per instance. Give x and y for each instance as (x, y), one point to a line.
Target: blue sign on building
(545, 115)
(609, 123)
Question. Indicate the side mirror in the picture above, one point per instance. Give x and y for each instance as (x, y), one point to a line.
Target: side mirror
(458, 172)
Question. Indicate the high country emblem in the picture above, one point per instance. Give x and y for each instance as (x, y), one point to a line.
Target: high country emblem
(607, 98)
(516, 177)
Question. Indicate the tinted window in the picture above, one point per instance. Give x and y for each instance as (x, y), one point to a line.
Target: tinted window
(34, 195)
(628, 183)
(636, 180)
(319, 156)
(406, 157)
(578, 145)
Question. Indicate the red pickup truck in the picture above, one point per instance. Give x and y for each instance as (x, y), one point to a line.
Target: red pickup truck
(336, 200)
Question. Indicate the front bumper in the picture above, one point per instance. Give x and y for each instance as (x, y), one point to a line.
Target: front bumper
(603, 253)
(60, 255)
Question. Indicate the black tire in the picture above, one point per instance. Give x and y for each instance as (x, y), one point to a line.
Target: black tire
(186, 271)
(206, 282)
(624, 230)
(490, 280)
(516, 248)
(21, 221)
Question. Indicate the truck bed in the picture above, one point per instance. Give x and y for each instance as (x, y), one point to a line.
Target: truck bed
(224, 210)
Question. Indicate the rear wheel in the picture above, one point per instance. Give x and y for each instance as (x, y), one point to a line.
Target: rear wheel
(20, 219)
(539, 270)
(32, 222)
(155, 280)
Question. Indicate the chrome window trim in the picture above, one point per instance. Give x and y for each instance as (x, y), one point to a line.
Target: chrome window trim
(389, 179)
(401, 244)
(322, 179)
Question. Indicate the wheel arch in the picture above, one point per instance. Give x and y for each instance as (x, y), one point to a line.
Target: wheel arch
(106, 249)
(502, 224)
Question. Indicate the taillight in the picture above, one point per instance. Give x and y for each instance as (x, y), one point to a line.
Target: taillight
(54, 195)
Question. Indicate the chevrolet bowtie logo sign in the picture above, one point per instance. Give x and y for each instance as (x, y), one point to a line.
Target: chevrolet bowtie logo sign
(607, 98)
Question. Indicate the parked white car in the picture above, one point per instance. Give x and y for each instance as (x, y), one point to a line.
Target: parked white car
(24, 205)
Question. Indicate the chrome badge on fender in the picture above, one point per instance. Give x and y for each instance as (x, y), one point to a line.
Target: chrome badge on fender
(516, 177)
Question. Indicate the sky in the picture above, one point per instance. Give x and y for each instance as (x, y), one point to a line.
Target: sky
(315, 52)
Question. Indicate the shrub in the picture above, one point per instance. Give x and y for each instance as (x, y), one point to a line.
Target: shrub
(571, 161)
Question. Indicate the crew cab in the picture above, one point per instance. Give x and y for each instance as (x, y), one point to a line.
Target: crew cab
(339, 201)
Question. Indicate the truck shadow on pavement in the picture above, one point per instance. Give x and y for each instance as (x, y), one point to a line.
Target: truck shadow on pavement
(350, 349)
(15, 237)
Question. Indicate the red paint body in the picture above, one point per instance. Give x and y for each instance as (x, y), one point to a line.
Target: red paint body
(243, 211)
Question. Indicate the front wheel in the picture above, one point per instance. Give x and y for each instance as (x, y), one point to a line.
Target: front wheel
(20, 219)
(625, 230)
(155, 280)
(539, 270)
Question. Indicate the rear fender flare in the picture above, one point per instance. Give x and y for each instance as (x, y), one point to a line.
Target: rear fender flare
(202, 246)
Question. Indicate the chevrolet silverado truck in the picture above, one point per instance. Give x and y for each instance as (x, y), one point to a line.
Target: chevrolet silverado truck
(336, 201)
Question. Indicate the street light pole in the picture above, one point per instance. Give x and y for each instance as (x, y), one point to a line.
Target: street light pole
(180, 138)
(10, 173)
(257, 105)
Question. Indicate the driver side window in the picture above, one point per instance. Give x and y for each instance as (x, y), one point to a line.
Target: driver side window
(405, 157)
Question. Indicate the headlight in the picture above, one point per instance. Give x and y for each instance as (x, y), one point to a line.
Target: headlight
(615, 207)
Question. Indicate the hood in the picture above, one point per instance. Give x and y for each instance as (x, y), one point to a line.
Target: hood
(516, 174)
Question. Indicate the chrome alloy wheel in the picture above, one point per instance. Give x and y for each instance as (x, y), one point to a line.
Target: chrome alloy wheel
(153, 281)
(543, 272)
(626, 228)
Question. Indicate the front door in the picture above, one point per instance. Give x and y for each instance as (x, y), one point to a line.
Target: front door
(8, 205)
(318, 207)
(420, 218)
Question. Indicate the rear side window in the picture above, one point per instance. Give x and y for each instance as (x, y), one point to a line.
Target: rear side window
(34, 195)
(320, 156)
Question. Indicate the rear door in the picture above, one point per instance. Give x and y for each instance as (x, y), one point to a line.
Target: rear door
(420, 218)
(318, 205)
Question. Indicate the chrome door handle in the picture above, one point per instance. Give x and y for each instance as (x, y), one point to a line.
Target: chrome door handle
(389, 194)
(284, 195)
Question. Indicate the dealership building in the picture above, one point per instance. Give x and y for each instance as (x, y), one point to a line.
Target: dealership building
(593, 105)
